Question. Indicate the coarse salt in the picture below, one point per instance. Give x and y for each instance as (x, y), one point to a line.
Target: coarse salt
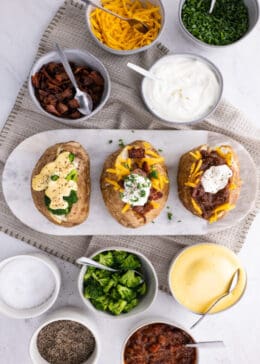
(26, 283)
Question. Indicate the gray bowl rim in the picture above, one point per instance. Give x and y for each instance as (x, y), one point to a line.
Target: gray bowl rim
(131, 51)
(186, 308)
(35, 68)
(204, 44)
(107, 314)
(213, 67)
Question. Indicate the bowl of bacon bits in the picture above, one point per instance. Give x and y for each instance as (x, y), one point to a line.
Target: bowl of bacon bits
(53, 93)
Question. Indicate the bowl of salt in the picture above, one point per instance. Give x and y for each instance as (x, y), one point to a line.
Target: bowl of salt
(29, 285)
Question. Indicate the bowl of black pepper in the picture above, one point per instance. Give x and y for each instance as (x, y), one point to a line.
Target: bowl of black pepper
(66, 337)
(53, 93)
(230, 22)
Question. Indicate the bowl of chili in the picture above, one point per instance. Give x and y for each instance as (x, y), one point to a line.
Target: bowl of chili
(159, 341)
(230, 22)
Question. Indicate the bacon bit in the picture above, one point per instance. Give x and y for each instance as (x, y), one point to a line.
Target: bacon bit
(136, 153)
(56, 93)
(139, 171)
(145, 167)
(154, 195)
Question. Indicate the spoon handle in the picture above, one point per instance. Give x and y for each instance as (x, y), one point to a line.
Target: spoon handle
(142, 71)
(212, 5)
(208, 310)
(207, 344)
(66, 65)
(93, 263)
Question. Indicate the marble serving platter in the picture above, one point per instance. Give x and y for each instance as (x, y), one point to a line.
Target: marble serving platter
(19, 166)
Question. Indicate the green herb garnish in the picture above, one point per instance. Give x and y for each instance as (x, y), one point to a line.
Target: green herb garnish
(153, 174)
(115, 292)
(160, 150)
(54, 177)
(228, 22)
(169, 215)
(121, 143)
(142, 193)
(71, 157)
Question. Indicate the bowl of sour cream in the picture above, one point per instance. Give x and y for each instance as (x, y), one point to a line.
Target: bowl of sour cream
(187, 88)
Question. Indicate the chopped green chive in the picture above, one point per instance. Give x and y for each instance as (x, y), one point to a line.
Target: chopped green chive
(54, 177)
(71, 157)
(169, 215)
(154, 174)
(121, 143)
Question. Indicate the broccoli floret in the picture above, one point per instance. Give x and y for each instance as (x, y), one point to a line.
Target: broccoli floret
(101, 303)
(119, 257)
(105, 258)
(115, 295)
(142, 289)
(131, 305)
(117, 307)
(131, 262)
(109, 285)
(89, 273)
(130, 279)
(126, 293)
(92, 289)
(102, 281)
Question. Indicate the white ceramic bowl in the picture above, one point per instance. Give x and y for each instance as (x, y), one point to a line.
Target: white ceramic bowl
(150, 279)
(253, 12)
(172, 122)
(79, 57)
(156, 320)
(72, 314)
(172, 292)
(133, 51)
(39, 310)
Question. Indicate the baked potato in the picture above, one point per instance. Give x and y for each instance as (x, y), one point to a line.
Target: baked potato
(134, 184)
(209, 181)
(60, 184)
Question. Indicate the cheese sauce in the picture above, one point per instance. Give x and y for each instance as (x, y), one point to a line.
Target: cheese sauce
(53, 180)
(202, 273)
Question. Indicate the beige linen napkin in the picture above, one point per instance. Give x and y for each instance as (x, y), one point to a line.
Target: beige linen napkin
(124, 109)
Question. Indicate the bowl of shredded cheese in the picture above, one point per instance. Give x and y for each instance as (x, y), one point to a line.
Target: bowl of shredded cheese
(117, 36)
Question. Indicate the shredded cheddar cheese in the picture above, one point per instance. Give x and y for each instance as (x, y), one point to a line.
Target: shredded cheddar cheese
(196, 206)
(119, 34)
(125, 208)
(154, 204)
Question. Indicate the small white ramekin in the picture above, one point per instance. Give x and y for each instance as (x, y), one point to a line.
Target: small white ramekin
(66, 313)
(145, 302)
(39, 310)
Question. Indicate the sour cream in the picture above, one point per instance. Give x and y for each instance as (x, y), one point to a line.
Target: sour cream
(137, 190)
(187, 88)
(216, 178)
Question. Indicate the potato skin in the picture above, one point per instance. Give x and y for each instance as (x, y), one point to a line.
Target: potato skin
(185, 192)
(112, 199)
(80, 210)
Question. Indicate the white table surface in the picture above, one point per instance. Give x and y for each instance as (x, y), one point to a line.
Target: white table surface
(21, 26)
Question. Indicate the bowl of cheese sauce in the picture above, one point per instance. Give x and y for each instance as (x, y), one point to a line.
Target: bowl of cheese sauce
(201, 273)
(187, 88)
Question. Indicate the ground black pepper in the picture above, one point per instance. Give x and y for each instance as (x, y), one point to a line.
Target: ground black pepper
(65, 342)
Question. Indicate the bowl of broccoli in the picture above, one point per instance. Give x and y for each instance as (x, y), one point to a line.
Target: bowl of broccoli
(118, 294)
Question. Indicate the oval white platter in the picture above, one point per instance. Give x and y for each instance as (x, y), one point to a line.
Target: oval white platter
(19, 166)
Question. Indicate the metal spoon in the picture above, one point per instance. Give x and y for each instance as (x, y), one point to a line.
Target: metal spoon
(92, 263)
(142, 27)
(84, 100)
(206, 344)
(143, 71)
(212, 5)
(232, 285)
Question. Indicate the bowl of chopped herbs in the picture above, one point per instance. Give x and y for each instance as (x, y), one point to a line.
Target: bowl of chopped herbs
(123, 293)
(230, 21)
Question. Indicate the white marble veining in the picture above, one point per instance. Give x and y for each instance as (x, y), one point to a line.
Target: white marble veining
(21, 26)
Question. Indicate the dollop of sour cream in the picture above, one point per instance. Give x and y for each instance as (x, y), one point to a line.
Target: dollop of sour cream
(216, 178)
(187, 89)
(137, 190)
